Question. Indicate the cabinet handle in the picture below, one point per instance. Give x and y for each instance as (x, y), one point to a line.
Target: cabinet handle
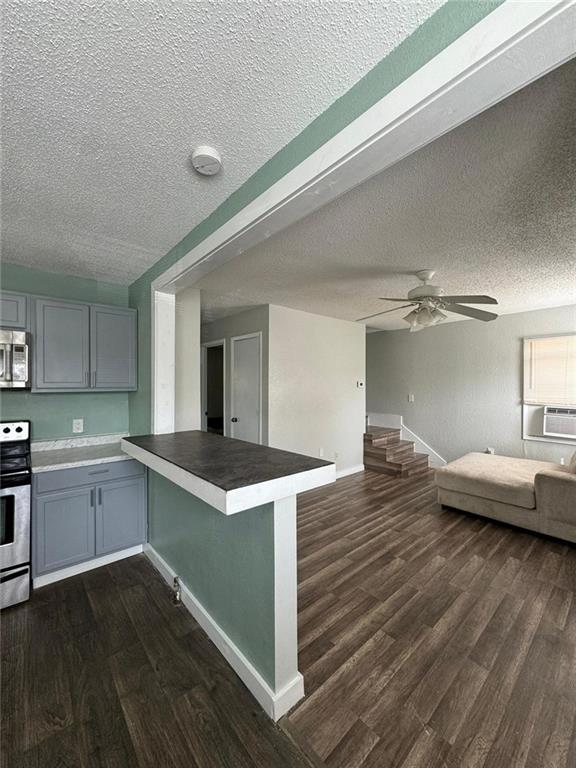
(86, 378)
(99, 497)
(92, 497)
(93, 379)
(98, 471)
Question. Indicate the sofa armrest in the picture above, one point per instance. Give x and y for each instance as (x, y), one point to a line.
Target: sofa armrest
(556, 495)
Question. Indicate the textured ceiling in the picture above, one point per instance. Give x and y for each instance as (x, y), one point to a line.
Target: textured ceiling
(491, 206)
(103, 102)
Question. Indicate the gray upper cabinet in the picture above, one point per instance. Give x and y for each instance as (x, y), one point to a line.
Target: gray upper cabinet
(83, 346)
(112, 347)
(63, 529)
(13, 310)
(62, 345)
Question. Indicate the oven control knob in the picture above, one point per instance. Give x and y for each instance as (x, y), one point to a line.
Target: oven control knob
(18, 429)
(6, 430)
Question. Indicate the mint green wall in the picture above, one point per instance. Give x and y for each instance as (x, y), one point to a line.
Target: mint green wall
(226, 561)
(51, 414)
(24, 280)
(451, 21)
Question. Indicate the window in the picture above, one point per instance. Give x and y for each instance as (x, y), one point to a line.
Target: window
(550, 370)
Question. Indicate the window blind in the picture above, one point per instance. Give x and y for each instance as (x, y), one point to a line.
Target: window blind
(550, 371)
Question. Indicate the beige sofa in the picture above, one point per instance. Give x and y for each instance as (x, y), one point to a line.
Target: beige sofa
(537, 495)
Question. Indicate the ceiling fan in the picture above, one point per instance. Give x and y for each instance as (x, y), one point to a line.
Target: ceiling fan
(428, 301)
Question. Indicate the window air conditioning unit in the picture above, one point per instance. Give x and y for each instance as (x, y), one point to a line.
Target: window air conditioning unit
(559, 422)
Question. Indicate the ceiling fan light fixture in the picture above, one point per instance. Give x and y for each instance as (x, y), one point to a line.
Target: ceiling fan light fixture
(426, 317)
(412, 319)
(438, 317)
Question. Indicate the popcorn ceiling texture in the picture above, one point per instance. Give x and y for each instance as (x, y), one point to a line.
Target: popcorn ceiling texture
(104, 101)
(491, 206)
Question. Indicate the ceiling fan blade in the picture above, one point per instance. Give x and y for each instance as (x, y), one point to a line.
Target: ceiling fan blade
(477, 314)
(377, 314)
(469, 299)
(385, 298)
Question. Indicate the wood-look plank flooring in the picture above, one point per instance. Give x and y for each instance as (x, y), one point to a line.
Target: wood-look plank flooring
(102, 670)
(429, 637)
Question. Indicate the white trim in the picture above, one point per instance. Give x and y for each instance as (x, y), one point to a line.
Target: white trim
(204, 383)
(512, 46)
(390, 420)
(349, 471)
(421, 447)
(89, 565)
(274, 703)
(239, 499)
(233, 339)
(163, 352)
(285, 593)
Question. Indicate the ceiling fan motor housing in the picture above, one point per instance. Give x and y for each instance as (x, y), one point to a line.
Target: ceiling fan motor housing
(425, 292)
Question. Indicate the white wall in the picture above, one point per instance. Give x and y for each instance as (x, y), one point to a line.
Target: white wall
(187, 379)
(315, 405)
(466, 378)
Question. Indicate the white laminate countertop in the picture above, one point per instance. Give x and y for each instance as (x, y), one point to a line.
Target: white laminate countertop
(80, 456)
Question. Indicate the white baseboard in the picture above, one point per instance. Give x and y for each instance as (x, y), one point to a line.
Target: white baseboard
(274, 703)
(349, 471)
(89, 565)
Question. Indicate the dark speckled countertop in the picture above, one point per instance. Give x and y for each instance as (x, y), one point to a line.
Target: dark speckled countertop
(226, 463)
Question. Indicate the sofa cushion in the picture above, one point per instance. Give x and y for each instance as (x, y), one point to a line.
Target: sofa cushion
(500, 478)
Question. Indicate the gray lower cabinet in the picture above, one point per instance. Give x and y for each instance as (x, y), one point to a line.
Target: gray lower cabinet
(75, 524)
(119, 519)
(61, 345)
(64, 529)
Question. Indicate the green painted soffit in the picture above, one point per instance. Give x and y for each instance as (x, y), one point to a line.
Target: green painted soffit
(441, 29)
(14, 277)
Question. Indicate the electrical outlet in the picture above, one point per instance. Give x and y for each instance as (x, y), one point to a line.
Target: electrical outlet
(410, 398)
(77, 426)
(320, 452)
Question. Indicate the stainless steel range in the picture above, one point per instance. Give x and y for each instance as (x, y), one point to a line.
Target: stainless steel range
(15, 482)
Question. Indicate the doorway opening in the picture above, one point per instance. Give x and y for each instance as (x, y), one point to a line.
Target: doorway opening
(213, 387)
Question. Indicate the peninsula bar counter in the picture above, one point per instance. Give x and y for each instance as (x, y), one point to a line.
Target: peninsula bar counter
(222, 517)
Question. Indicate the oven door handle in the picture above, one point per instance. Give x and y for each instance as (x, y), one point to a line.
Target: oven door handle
(14, 575)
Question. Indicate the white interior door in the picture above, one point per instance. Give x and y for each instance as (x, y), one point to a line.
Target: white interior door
(246, 395)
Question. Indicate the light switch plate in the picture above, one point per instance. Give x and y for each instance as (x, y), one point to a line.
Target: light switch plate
(77, 426)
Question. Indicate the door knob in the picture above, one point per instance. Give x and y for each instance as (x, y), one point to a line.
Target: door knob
(234, 419)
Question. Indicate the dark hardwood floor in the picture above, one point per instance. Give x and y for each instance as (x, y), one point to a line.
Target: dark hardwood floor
(429, 637)
(102, 670)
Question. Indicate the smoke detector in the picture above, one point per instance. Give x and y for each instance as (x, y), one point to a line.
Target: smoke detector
(206, 160)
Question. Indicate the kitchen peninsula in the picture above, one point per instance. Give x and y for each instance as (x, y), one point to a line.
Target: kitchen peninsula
(222, 517)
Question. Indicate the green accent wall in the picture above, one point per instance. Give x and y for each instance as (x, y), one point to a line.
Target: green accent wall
(227, 562)
(445, 26)
(13, 277)
(51, 414)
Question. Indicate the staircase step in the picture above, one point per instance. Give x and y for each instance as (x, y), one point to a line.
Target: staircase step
(403, 466)
(400, 449)
(381, 436)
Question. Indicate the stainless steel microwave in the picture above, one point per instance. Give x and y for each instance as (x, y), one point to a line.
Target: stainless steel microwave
(14, 360)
